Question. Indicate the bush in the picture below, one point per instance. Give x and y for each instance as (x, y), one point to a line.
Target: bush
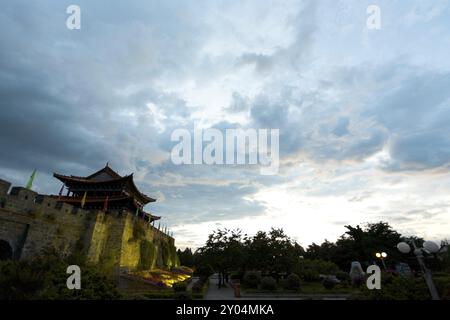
(180, 287)
(268, 283)
(443, 287)
(293, 282)
(182, 296)
(400, 288)
(358, 281)
(45, 278)
(310, 276)
(343, 276)
(309, 270)
(328, 283)
(204, 270)
(252, 279)
(320, 266)
(198, 286)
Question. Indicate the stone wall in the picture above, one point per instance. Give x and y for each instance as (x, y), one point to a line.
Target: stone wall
(30, 223)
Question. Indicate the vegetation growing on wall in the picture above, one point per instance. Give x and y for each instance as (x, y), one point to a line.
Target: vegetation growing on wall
(166, 256)
(138, 231)
(107, 263)
(147, 255)
(169, 254)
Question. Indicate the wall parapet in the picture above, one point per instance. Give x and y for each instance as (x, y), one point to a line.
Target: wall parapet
(25, 200)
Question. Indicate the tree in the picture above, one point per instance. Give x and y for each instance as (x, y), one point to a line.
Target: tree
(326, 251)
(224, 250)
(186, 257)
(273, 252)
(360, 244)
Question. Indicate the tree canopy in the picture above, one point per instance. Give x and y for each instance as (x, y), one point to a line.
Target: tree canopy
(360, 244)
(274, 252)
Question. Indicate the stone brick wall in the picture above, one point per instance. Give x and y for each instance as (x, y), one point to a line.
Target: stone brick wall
(31, 222)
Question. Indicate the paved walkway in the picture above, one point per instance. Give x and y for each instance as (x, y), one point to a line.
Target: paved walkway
(190, 285)
(214, 293)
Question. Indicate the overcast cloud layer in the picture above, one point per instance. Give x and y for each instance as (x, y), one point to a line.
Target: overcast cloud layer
(363, 114)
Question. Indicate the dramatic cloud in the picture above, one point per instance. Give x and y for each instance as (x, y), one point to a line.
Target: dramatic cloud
(363, 114)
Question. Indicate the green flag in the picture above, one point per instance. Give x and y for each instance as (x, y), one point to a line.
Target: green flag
(83, 201)
(30, 182)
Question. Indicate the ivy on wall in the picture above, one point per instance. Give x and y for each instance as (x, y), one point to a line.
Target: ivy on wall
(165, 251)
(147, 255)
(138, 231)
(169, 255)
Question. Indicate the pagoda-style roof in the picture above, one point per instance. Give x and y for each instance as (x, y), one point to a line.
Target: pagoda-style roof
(106, 178)
(99, 201)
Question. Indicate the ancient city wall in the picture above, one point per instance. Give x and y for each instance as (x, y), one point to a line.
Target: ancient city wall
(30, 223)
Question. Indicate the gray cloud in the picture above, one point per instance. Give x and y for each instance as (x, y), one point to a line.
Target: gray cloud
(116, 89)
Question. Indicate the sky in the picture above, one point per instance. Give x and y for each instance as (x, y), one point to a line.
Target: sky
(363, 113)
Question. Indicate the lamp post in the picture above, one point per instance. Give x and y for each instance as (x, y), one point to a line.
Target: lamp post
(382, 256)
(430, 247)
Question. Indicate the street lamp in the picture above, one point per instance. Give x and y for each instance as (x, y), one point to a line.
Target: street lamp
(429, 247)
(382, 256)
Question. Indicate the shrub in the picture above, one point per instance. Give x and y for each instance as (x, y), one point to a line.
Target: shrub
(182, 296)
(343, 276)
(180, 287)
(204, 270)
(328, 283)
(400, 288)
(310, 276)
(198, 286)
(320, 266)
(268, 283)
(443, 287)
(293, 282)
(45, 278)
(358, 281)
(252, 279)
(309, 270)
